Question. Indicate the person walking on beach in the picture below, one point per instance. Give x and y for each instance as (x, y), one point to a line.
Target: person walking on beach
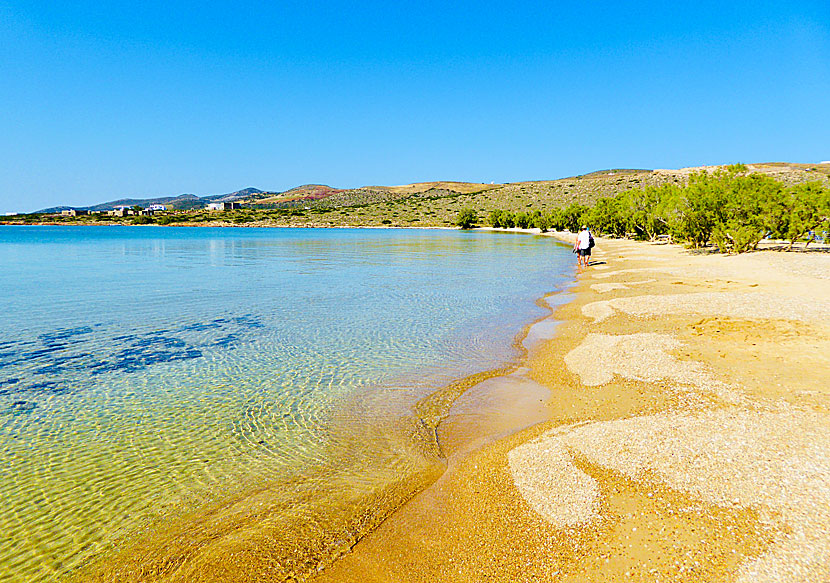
(582, 247)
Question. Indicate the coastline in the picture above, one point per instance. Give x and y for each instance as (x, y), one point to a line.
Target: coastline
(197, 546)
(516, 438)
(563, 237)
(683, 437)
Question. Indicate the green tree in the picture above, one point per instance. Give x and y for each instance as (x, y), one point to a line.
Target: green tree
(540, 221)
(808, 211)
(699, 208)
(646, 211)
(751, 207)
(496, 218)
(570, 217)
(467, 218)
(609, 216)
(142, 220)
(737, 168)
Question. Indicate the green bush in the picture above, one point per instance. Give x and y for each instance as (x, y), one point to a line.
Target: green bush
(467, 218)
(539, 221)
(807, 210)
(730, 208)
(496, 218)
(570, 217)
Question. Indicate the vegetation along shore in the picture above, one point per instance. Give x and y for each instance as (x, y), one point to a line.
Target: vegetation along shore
(733, 207)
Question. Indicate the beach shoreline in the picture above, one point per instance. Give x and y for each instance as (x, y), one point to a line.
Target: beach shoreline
(686, 399)
(210, 543)
(648, 346)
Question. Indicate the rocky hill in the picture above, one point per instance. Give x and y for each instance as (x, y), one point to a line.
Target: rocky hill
(180, 202)
(541, 194)
(438, 203)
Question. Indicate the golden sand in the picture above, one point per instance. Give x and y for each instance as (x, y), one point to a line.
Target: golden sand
(674, 429)
(685, 440)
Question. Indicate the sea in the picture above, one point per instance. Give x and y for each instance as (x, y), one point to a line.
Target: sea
(172, 396)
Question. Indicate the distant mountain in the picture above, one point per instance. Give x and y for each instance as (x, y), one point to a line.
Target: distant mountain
(304, 192)
(181, 202)
(541, 194)
(234, 196)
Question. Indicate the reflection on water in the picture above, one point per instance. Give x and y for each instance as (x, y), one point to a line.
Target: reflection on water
(160, 376)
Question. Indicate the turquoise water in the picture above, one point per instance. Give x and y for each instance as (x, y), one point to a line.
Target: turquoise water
(145, 371)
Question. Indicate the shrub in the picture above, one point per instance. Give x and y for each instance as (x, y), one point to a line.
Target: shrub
(729, 207)
(539, 221)
(807, 211)
(570, 217)
(467, 218)
(496, 218)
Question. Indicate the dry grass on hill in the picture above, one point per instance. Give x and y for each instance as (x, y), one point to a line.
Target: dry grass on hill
(437, 204)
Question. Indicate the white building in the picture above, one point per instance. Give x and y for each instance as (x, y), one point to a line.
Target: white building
(222, 206)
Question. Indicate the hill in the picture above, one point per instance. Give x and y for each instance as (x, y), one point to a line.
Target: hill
(437, 203)
(541, 194)
(180, 202)
(304, 192)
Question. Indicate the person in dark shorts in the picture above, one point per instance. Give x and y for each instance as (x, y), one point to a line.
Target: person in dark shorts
(582, 247)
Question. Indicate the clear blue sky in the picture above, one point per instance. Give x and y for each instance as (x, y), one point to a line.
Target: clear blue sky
(101, 101)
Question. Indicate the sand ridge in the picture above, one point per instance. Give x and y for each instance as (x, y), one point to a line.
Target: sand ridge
(752, 451)
(732, 304)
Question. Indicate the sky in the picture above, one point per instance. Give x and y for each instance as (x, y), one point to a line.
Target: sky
(100, 101)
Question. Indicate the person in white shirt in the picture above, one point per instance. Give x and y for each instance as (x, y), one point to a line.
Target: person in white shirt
(582, 246)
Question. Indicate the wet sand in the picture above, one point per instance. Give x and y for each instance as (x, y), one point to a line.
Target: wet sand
(674, 429)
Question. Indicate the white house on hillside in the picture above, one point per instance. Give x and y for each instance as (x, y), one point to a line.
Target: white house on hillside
(222, 206)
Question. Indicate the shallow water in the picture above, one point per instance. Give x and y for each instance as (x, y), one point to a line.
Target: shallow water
(147, 372)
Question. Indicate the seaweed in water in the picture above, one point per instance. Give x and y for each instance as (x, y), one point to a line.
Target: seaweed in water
(21, 407)
(64, 333)
(7, 386)
(248, 320)
(55, 354)
(44, 351)
(154, 339)
(201, 327)
(226, 341)
(145, 352)
(59, 364)
(9, 358)
(45, 386)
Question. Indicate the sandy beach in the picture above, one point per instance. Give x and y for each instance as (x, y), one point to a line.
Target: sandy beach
(674, 428)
